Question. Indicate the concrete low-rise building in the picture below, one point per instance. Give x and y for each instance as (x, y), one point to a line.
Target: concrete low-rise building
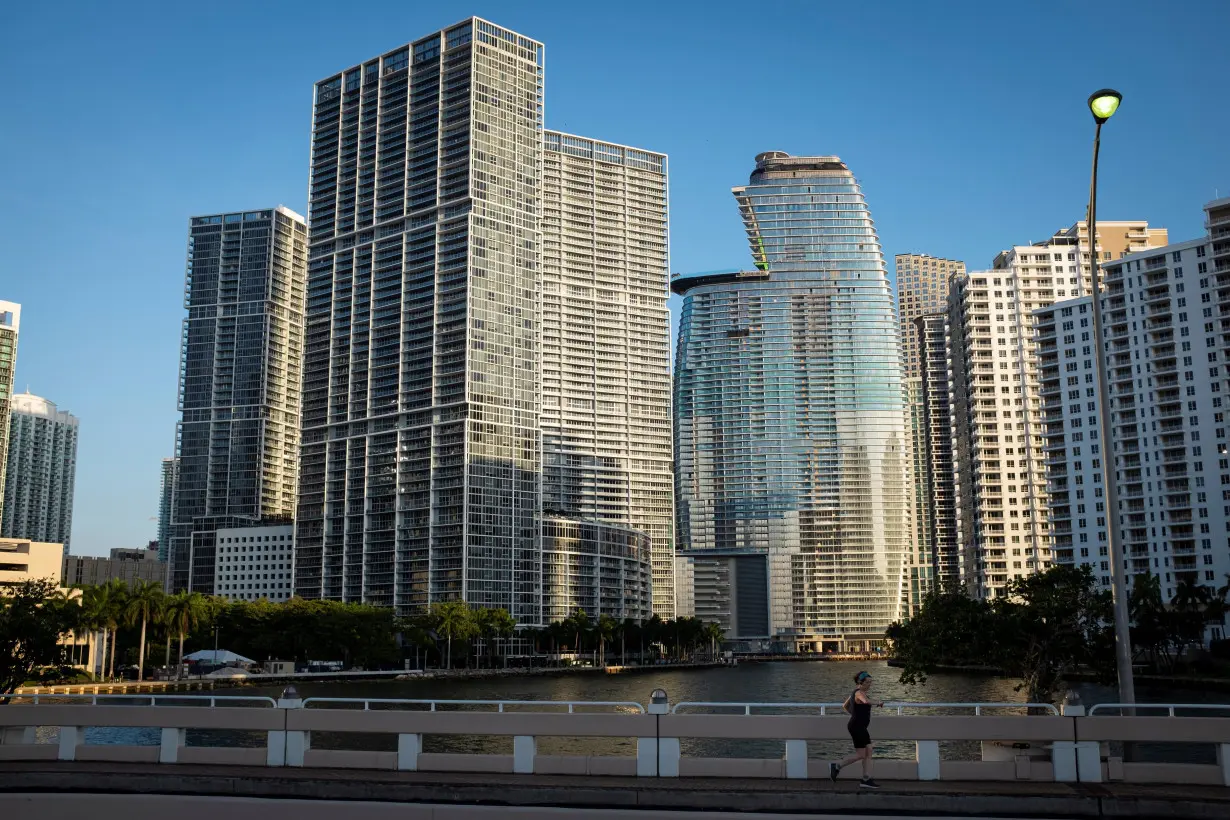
(24, 560)
(255, 562)
(125, 564)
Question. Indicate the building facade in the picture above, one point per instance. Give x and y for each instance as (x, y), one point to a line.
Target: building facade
(41, 471)
(792, 453)
(237, 441)
(1068, 381)
(127, 565)
(922, 289)
(421, 453)
(255, 563)
(10, 323)
(600, 567)
(166, 505)
(939, 493)
(1000, 468)
(605, 347)
(24, 560)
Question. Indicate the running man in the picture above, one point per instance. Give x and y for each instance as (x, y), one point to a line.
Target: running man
(858, 706)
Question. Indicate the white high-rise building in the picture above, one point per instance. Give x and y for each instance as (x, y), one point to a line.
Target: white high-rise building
(1166, 318)
(1004, 531)
(41, 471)
(606, 423)
(10, 322)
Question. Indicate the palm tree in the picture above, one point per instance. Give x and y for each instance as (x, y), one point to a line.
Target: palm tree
(713, 631)
(144, 602)
(580, 625)
(605, 629)
(114, 596)
(453, 619)
(182, 613)
(501, 626)
(93, 618)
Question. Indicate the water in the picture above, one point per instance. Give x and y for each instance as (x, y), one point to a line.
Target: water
(810, 682)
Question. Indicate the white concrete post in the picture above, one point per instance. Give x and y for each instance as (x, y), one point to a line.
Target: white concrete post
(646, 757)
(525, 747)
(796, 759)
(70, 738)
(1223, 761)
(1063, 760)
(172, 741)
(409, 747)
(927, 755)
(668, 757)
(1089, 761)
(295, 744)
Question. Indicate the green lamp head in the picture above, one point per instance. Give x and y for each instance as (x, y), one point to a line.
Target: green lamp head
(1104, 104)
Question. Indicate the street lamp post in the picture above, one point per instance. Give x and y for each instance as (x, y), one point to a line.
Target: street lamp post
(1103, 104)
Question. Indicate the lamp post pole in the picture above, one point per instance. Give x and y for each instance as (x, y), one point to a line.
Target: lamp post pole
(1103, 104)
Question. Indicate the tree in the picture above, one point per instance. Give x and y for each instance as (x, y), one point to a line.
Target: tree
(31, 624)
(501, 625)
(1044, 626)
(714, 634)
(182, 612)
(144, 602)
(453, 619)
(93, 617)
(115, 597)
(605, 628)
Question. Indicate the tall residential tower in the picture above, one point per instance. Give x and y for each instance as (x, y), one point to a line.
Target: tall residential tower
(41, 471)
(922, 289)
(10, 323)
(605, 356)
(421, 452)
(792, 477)
(237, 442)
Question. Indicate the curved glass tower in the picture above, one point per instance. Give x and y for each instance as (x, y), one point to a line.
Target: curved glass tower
(792, 458)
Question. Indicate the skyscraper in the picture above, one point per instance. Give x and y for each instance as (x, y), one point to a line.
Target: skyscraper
(922, 288)
(792, 476)
(42, 468)
(605, 349)
(166, 505)
(421, 452)
(237, 442)
(939, 487)
(1004, 531)
(10, 322)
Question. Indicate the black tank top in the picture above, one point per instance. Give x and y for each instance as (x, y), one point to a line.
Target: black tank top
(860, 713)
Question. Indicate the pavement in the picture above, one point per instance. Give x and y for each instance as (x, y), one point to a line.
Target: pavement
(602, 794)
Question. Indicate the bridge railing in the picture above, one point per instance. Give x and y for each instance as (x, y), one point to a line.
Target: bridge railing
(1066, 748)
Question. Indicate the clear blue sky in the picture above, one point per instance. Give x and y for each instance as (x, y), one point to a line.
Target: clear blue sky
(965, 122)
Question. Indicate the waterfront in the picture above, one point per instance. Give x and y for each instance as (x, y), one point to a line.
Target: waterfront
(767, 682)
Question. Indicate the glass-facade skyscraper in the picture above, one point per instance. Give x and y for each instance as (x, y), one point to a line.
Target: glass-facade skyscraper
(41, 472)
(792, 453)
(237, 442)
(421, 451)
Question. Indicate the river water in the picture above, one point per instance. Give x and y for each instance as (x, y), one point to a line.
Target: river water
(796, 682)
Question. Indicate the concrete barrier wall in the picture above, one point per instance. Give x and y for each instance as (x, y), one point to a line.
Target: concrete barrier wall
(1073, 747)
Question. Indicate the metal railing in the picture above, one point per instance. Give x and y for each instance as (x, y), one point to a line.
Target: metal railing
(1169, 707)
(500, 705)
(200, 700)
(823, 708)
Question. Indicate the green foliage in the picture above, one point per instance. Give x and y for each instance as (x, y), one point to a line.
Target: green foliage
(1046, 625)
(1164, 632)
(34, 615)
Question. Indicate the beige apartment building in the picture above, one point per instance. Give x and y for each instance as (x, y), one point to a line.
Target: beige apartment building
(998, 426)
(24, 560)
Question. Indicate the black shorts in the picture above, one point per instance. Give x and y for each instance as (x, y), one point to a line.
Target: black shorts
(860, 736)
